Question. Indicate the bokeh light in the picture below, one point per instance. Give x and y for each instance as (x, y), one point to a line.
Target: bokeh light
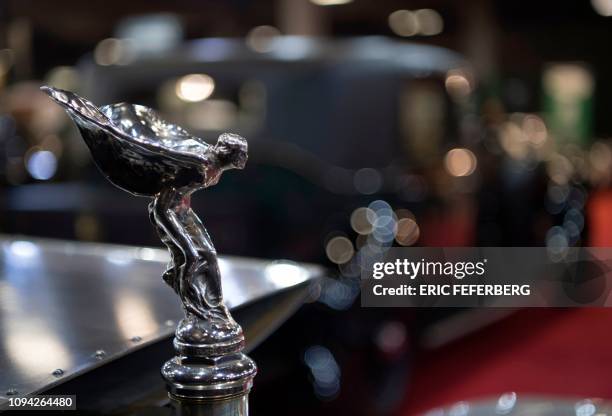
(408, 232)
(113, 51)
(260, 38)
(87, 227)
(360, 220)
(429, 22)
(325, 371)
(458, 83)
(425, 22)
(339, 249)
(600, 161)
(64, 77)
(195, 87)
(367, 181)
(41, 164)
(560, 169)
(384, 222)
(391, 337)
(568, 82)
(535, 130)
(557, 242)
(602, 7)
(403, 23)
(460, 162)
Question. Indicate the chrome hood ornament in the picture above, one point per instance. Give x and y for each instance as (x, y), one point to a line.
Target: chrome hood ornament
(142, 154)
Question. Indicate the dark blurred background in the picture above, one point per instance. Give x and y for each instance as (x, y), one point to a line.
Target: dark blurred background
(371, 124)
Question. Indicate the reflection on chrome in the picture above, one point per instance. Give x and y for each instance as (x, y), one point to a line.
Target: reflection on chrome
(23, 249)
(119, 257)
(459, 409)
(505, 403)
(134, 316)
(34, 348)
(585, 408)
(20, 254)
(149, 254)
(285, 274)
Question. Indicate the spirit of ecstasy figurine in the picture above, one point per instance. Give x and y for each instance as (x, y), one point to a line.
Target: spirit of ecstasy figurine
(142, 154)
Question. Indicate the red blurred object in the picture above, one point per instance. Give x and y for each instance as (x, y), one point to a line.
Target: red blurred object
(450, 227)
(599, 217)
(536, 351)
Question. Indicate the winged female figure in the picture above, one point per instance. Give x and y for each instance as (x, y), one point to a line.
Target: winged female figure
(142, 154)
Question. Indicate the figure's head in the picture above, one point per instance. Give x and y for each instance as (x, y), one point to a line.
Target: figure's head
(232, 151)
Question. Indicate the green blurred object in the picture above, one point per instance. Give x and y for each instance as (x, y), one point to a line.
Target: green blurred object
(568, 102)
